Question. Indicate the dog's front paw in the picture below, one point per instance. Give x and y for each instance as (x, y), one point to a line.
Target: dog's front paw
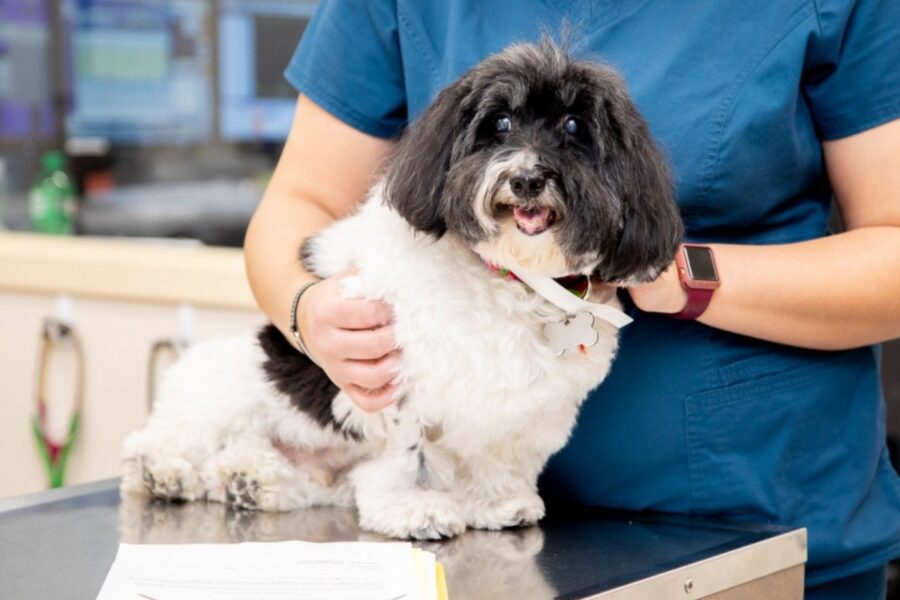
(416, 514)
(499, 513)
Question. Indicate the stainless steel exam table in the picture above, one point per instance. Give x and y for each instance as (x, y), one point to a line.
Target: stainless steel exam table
(60, 544)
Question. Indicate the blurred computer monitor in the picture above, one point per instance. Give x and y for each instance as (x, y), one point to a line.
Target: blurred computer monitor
(256, 41)
(140, 70)
(26, 107)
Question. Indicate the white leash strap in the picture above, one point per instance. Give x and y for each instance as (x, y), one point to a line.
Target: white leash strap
(564, 299)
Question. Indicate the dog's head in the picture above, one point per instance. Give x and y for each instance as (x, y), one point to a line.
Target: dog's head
(540, 163)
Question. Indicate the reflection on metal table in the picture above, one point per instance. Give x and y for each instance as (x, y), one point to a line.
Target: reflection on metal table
(60, 544)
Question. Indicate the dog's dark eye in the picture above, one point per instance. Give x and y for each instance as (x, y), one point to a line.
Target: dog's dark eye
(503, 124)
(571, 126)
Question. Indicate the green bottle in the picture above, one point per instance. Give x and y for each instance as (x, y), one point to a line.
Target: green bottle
(52, 204)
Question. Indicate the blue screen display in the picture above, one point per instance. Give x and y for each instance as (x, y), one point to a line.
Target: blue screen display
(256, 41)
(26, 108)
(140, 70)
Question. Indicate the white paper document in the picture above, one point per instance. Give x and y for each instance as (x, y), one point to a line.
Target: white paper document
(271, 571)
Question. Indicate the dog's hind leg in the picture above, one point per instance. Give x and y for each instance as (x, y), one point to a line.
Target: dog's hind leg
(211, 392)
(161, 462)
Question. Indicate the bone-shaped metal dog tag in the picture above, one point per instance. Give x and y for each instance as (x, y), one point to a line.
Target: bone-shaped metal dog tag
(572, 332)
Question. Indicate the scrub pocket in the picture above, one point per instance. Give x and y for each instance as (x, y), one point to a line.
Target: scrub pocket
(785, 436)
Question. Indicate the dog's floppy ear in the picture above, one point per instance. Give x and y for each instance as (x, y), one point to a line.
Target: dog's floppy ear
(638, 172)
(415, 180)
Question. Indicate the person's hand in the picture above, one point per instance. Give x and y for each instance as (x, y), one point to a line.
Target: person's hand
(352, 340)
(663, 295)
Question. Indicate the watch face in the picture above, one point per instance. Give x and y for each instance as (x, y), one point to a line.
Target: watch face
(700, 263)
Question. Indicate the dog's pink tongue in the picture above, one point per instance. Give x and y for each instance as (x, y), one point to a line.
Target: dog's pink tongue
(532, 220)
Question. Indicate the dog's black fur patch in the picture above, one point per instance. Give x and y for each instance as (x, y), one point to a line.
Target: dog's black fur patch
(300, 379)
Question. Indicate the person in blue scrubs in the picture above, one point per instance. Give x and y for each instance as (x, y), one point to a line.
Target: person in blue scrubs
(768, 407)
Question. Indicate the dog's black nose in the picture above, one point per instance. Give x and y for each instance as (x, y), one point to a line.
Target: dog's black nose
(527, 185)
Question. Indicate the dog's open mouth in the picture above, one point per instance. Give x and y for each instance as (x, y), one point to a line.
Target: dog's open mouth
(532, 220)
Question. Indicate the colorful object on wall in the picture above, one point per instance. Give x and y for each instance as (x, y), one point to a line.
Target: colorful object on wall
(55, 453)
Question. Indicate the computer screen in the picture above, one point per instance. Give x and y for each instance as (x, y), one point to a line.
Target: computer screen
(256, 41)
(140, 70)
(26, 107)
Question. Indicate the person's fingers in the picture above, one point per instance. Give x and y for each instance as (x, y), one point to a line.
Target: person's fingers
(371, 375)
(354, 314)
(371, 400)
(360, 345)
(353, 341)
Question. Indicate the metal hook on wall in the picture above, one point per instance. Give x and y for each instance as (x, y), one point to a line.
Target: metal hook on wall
(174, 347)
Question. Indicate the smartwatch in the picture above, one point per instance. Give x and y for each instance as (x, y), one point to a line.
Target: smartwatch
(699, 278)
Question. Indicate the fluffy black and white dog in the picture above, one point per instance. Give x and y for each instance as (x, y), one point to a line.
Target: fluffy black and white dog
(532, 161)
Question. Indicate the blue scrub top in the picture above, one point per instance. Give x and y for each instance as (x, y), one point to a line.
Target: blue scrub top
(740, 95)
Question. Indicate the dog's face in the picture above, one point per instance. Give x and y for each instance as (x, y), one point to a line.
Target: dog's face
(542, 164)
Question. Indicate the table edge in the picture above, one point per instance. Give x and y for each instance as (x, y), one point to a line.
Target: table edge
(718, 573)
(65, 493)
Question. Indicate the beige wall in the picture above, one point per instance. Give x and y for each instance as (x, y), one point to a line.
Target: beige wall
(118, 317)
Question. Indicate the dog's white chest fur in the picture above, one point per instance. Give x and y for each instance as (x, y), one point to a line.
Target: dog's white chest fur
(474, 353)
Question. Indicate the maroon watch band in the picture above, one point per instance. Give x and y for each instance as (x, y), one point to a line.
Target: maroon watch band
(697, 301)
(699, 278)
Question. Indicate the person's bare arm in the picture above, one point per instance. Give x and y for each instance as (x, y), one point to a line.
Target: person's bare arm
(325, 170)
(836, 292)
